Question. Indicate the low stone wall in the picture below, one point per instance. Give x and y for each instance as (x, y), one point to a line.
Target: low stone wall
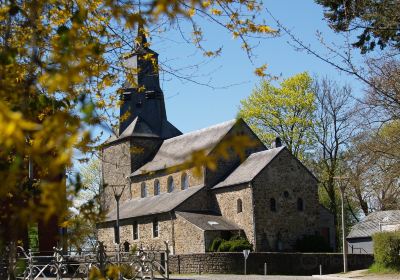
(277, 263)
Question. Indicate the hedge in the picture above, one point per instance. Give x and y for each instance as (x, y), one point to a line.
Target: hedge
(387, 249)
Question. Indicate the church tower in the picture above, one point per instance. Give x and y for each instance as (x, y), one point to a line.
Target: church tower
(143, 121)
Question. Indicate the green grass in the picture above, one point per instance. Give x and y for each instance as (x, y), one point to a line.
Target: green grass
(380, 269)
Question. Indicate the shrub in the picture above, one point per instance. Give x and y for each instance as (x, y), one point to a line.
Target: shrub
(312, 244)
(215, 244)
(235, 244)
(386, 249)
(240, 245)
(236, 237)
(378, 268)
(225, 246)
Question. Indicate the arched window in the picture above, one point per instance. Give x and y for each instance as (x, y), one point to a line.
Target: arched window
(300, 204)
(126, 246)
(143, 190)
(272, 204)
(239, 206)
(184, 181)
(171, 185)
(156, 187)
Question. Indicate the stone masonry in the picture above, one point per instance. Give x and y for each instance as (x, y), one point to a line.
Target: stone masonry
(239, 177)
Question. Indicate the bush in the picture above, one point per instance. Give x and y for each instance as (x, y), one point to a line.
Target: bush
(380, 269)
(312, 244)
(215, 244)
(235, 244)
(386, 249)
(225, 246)
(240, 245)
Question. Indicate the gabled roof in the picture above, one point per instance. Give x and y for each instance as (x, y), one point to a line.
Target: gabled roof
(250, 168)
(208, 221)
(162, 203)
(371, 224)
(175, 151)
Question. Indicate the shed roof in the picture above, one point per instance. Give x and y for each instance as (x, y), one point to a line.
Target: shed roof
(208, 221)
(175, 151)
(249, 169)
(162, 203)
(371, 223)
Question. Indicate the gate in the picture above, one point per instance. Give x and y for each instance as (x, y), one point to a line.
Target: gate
(16, 263)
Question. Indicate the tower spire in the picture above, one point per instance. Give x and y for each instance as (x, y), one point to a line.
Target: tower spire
(141, 40)
(143, 107)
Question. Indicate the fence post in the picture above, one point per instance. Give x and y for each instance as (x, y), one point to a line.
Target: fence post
(265, 268)
(101, 258)
(320, 269)
(11, 255)
(30, 264)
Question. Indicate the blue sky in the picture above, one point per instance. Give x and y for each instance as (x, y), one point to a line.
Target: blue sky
(191, 106)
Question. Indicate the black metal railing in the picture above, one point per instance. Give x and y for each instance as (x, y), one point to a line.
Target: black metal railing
(354, 250)
(17, 263)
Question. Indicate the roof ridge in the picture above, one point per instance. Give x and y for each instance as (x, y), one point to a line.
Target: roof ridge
(201, 130)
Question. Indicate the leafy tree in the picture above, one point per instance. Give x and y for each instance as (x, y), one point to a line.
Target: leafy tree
(378, 21)
(374, 168)
(86, 210)
(59, 60)
(286, 111)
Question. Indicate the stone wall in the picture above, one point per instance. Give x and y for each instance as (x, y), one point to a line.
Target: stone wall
(145, 225)
(119, 160)
(188, 237)
(277, 263)
(162, 177)
(286, 180)
(227, 205)
(116, 165)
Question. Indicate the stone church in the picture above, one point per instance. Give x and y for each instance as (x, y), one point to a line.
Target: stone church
(269, 197)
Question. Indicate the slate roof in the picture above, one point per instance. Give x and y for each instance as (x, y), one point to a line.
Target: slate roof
(162, 203)
(249, 169)
(370, 224)
(208, 221)
(177, 150)
(139, 128)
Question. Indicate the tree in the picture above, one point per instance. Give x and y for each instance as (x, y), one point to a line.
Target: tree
(383, 95)
(285, 111)
(333, 129)
(58, 63)
(374, 168)
(347, 17)
(378, 21)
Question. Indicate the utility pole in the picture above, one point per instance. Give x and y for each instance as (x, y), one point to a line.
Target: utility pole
(118, 191)
(342, 182)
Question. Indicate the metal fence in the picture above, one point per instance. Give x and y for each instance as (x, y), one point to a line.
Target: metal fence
(16, 263)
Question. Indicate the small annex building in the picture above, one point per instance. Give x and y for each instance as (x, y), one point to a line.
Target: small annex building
(359, 239)
(266, 195)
